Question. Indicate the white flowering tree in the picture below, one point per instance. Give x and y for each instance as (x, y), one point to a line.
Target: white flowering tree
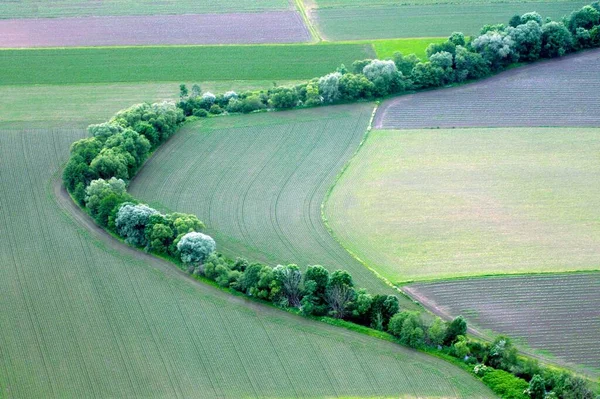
(195, 247)
(131, 222)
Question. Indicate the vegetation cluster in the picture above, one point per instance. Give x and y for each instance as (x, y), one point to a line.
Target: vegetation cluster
(526, 38)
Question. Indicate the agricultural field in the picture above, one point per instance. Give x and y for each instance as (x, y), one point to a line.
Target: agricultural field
(78, 8)
(86, 316)
(353, 20)
(237, 28)
(428, 204)
(265, 203)
(79, 105)
(564, 92)
(556, 314)
(176, 63)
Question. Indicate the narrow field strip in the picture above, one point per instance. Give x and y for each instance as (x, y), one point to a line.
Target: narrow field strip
(78, 8)
(555, 313)
(231, 28)
(378, 21)
(86, 316)
(563, 92)
(176, 63)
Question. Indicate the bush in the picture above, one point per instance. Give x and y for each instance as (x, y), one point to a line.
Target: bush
(506, 385)
(201, 113)
(131, 223)
(556, 40)
(456, 327)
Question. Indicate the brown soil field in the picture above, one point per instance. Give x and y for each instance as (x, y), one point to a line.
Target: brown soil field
(557, 315)
(563, 92)
(233, 28)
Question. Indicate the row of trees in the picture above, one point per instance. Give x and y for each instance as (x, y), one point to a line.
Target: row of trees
(526, 38)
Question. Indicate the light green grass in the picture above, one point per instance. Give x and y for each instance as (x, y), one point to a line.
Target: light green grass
(435, 20)
(79, 105)
(417, 46)
(258, 182)
(76, 8)
(427, 204)
(176, 63)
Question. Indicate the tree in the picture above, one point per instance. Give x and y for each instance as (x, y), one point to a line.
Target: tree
(443, 60)
(496, 47)
(586, 18)
(385, 76)
(102, 131)
(160, 237)
(469, 65)
(448, 46)
(502, 354)
(425, 75)
(196, 91)
(460, 348)
(556, 40)
(99, 189)
(316, 280)
(131, 222)
(183, 91)
(289, 278)
(283, 97)
(359, 65)
(338, 299)
(353, 87)
(456, 327)
(382, 309)
(527, 39)
(258, 281)
(130, 142)
(195, 247)
(537, 387)
(436, 332)
(457, 38)
(362, 306)
(408, 328)
(329, 87)
(112, 163)
(406, 64)
(531, 16)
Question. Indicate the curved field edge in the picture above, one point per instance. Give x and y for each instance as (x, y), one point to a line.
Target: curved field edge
(430, 204)
(258, 182)
(103, 319)
(552, 316)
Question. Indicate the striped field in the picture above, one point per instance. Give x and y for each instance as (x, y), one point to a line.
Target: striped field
(556, 314)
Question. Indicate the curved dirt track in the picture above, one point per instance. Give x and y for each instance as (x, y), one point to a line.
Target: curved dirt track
(560, 92)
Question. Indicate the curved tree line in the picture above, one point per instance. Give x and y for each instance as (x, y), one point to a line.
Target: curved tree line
(100, 167)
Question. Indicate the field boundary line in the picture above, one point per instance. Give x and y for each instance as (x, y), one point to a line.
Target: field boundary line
(328, 195)
(312, 29)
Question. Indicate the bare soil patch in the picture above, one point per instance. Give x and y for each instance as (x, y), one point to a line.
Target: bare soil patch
(232, 28)
(564, 92)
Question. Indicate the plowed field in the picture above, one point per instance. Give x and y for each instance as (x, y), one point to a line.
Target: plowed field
(558, 314)
(564, 92)
(240, 28)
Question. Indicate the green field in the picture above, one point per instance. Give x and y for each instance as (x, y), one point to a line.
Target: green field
(367, 3)
(176, 63)
(78, 105)
(385, 48)
(75, 8)
(85, 316)
(258, 182)
(426, 204)
(379, 22)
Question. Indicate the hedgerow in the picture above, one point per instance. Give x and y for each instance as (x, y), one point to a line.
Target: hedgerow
(100, 166)
(526, 38)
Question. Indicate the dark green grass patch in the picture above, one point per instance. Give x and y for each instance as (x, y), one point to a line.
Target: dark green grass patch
(182, 63)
